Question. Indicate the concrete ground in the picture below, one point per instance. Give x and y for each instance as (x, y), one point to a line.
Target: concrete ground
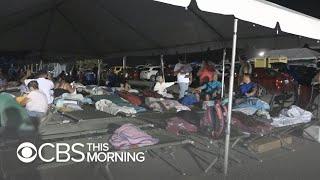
(303, 163)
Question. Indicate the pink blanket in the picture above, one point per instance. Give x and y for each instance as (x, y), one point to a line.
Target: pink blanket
(128, 136)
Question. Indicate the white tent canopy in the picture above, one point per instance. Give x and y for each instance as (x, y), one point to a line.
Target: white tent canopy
(294, 54)
(260, 12)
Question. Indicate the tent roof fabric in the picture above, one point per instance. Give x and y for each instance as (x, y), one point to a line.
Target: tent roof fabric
(260, 12)
(295, 53)
(112, 28)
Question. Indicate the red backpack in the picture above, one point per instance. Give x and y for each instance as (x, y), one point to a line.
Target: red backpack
(213, 122)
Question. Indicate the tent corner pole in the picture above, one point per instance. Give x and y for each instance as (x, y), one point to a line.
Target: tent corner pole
(124, 66)
(223, 71)
(99, 72)
(162, 67)
(231, 81)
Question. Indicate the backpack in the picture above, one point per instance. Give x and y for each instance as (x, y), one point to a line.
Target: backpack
(189, 100)
(213, 122)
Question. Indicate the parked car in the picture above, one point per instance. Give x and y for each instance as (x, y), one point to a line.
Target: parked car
(141, 67)
(302, 74)
(273, 81)
(150, 73)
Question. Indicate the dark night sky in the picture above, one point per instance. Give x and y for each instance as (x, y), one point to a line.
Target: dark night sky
(309, 7)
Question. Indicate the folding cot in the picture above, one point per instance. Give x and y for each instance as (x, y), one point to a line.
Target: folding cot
(83, 127)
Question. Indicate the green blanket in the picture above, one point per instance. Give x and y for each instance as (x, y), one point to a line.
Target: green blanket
(12, 114)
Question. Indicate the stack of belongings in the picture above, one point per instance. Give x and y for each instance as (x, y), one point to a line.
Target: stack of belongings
(249, 124)
(293, 115)
(129, 136)
(71, 102)
(184, 122)
(251, 115)
(251, 106)
(161, 105)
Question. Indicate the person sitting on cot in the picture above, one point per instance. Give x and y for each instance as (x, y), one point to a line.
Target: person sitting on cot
(63, 86)
(247, 87)
(211, 89)
(161, 87)
(36, 103)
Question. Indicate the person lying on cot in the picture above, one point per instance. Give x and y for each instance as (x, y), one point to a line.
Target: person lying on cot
(125, 86)
(161, 87)
(211, 89)
(247, 87)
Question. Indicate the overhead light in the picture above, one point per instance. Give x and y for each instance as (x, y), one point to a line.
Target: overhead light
(261, 53)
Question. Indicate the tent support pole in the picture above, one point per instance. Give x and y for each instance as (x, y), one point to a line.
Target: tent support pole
(223, 71)
(231, 81)
(41, 65)
(124, 65)
(99, 72)
(162, 67)
(31, 68)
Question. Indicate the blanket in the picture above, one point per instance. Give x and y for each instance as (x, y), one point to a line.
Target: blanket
(117, 100)
(111, 108)
(291, 116)
(250, 106)
(128, 136)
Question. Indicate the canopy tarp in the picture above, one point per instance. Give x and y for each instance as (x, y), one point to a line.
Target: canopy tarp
(109, 28)
(260, 12)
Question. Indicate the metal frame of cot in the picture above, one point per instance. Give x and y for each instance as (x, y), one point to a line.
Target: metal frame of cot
(91, 134)
(277, 132)
(202, 144)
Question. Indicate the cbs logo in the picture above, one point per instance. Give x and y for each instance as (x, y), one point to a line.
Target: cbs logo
(26, 152)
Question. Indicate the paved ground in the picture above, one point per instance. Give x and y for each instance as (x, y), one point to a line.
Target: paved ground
(280, 164)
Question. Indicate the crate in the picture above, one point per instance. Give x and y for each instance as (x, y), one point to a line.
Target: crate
(269, 143)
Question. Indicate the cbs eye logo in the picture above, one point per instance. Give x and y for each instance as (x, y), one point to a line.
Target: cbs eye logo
(26, 152)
